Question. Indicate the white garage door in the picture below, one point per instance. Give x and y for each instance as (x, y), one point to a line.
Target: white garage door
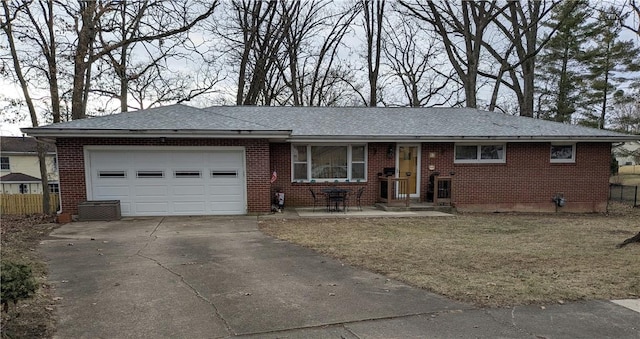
(175, 181)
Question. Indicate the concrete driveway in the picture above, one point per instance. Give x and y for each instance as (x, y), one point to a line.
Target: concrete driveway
(208, 277)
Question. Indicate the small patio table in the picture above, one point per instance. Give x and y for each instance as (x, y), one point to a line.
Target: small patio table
(335, 197)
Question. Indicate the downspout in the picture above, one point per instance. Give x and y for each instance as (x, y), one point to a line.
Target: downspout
(59, 186)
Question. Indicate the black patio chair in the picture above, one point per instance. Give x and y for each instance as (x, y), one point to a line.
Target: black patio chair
(358, 197)
(315, 199)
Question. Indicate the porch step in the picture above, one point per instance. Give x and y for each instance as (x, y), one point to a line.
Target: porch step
(414, 206)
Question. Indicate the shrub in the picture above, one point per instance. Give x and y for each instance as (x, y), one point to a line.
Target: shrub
(17, 283)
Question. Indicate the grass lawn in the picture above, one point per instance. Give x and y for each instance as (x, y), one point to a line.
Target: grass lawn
(487, 259)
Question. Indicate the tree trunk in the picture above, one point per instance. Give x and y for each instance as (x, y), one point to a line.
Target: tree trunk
(529, 63)
(42, 159)
(53, 65)
(81, 60)
(373, 16)
(41, 149)
(122, 71)
(605, 90)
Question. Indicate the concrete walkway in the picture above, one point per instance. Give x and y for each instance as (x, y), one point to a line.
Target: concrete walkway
(366, 212)
(207, 277)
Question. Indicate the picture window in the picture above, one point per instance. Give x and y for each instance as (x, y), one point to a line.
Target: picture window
(329, 162)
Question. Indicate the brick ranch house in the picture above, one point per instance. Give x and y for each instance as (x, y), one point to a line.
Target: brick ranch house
(180, 160)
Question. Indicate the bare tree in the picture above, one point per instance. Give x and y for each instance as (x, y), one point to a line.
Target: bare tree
(255, 35)
(286, 53)
(310, 67)
(158, 85)
(633, 10)
(58, 47)
(143, 70)
(625, 117)
(462, 28)
(7, 26)
(412, 55)
(520, 25)
(180, 17)
(373, 11)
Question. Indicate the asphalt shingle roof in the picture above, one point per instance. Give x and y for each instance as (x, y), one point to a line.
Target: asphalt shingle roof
(173, 117)
(337, 122)
(18, 177)
(22, 145)
(427, 122)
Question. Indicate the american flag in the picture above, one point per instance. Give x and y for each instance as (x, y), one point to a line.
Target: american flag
(274, 177)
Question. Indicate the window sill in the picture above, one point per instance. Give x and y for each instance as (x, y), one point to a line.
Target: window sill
(563, 163)
(476, 164)
(328, 182)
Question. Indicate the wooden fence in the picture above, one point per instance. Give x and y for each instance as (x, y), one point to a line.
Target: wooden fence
(25, 203)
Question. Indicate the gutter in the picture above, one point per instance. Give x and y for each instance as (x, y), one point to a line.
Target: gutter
(25, 153)
(138, 133)
(286, 136)
(463, 139)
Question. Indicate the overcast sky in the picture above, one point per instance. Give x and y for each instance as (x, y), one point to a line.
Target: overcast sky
(12, 90)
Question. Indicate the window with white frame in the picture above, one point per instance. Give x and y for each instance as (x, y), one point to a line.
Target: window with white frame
(4, 163)
(329, 162)
(563, 153)
(483, 153)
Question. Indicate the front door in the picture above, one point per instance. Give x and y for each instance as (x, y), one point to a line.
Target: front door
(408, 167)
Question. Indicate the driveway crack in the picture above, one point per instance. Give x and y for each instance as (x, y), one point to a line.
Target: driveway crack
(345, 324)
(195, 291)
(505, 323)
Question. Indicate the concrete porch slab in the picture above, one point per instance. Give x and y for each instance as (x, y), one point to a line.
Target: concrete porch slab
(367, 212)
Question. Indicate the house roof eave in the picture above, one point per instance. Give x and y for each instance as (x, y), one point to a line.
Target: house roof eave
(462, 139)
(55, 133)
(25, 153)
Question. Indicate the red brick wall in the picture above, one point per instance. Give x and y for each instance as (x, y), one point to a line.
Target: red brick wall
(72, 175)
(528, 180)
(297, 194)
